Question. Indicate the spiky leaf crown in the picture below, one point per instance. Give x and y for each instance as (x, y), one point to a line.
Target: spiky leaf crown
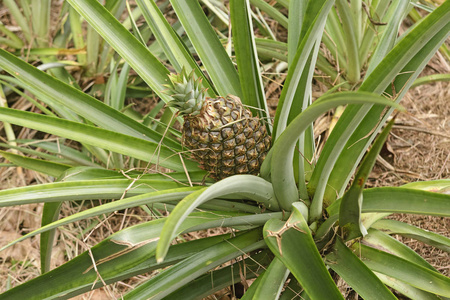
(187, 93)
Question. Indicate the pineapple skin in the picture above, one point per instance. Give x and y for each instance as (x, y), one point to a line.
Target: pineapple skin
(225, 138)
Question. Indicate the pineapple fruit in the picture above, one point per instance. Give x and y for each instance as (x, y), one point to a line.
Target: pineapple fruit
(221, 133)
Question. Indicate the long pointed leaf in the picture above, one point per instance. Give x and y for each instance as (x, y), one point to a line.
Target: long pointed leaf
(401, 200)
(247, 186)
(285, 239)
(47, 167)
(124, 254)
(129, 48)
(167, 38)
(247, 59)
(208, 47)
(180, 274)
(220, 279)
(404, 270)
(344, 262)
(409, 231)
(351, 203)
(77, 101)
(110, 140)
(282, 174)
(273, 281)
(403, 64)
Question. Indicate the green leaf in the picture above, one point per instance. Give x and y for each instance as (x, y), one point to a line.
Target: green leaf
(50, 214)
(430, 79)
(183, 272)
(409, 231)
(312, 30)
(431, 186)
(144, 199)
(246, 186)
(380, 240)
(282, 174)
(406, 289)
(351, 203)
(40, 83)
(173, 47)
(110, 140)
(124, 254)
(127, 46)
(403, 270)
(401, 200)
(344, 262)
(285, 239)
(271, 12)
(82, 190)
(222, 278)
(247, 59)
(272, 281)
(402, 65)
(208, 47)
(351, 40)
(47, 167)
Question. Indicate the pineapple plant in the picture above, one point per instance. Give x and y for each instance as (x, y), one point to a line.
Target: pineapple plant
(301, 203)
(223, 135)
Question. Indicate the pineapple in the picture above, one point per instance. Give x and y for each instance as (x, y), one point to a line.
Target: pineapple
(221, 133)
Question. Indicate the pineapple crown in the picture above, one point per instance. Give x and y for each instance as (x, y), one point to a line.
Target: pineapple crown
(187, 93)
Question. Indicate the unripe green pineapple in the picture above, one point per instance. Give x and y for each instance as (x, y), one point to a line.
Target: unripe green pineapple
(223, 135)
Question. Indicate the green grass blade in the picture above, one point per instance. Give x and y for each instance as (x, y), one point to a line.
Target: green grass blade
(312, 29)
(208, 47)
(58, 149)
(77, 34)
(46, 167)
(220, 279)
(189, 269)
(297, 10)
(351, 203)
(271, 12)
(401, 200)
(273, 280)
(430, 79)
(11, 40)
(82, 190)
(285, 239)
(248, 186)
(50, 214)
(21, 20)
(401, 65)
(409, 231)
(77, 101)
(124, 254)
(432, 185)
(334, 39)
(144, 199)
(172, 45)
(90, 135)
(126, 45)
(282, 174)
(405, 289)
(247, 59)
(403, 270)
(344, 262)
(389, 35)
(351, 41)
(40, 21)
(380, 240)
